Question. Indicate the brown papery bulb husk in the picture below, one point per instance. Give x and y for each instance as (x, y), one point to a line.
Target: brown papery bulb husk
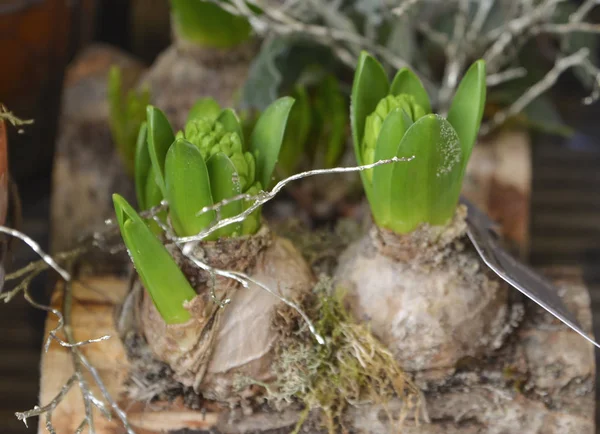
(426, 295)
(221, 342)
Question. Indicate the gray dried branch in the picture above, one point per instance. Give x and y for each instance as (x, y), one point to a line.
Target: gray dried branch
(473, 35)
(585, 8)
(27, 274)
(455, 56)
(347, 44)
(571, 27)
(577, 58)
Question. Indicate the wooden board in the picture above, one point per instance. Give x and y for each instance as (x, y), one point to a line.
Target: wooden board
(545, 357)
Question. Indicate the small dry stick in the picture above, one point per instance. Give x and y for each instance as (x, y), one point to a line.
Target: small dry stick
(577, 58)
(63, 323)
(8, 116)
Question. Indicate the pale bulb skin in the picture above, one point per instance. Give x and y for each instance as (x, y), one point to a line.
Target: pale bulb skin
(426, 295)
(219, 343)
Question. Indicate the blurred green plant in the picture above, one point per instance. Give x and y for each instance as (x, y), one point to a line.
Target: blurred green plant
(395, 120)
(317, 127)
(126, 114)
(206, 24)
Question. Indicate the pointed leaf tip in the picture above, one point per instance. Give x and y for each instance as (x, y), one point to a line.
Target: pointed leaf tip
(407, 82)
(370, 85)
(160, 138)
(466, 111)
(266, 139)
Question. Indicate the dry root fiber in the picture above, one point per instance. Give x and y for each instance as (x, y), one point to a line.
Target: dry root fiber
(351, 368)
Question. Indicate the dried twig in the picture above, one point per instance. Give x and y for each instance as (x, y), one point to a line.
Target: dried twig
(469, 39)
(27, 274)
(455, 55)
(583, 10)
(577, 58)
(264, 197)
(10, 117)
(276, 21)
(561, 29)
(504, 76)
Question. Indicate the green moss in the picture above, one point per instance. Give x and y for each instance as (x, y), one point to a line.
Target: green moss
(352, 366)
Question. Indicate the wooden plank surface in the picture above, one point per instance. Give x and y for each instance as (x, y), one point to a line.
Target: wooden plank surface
(539, 343)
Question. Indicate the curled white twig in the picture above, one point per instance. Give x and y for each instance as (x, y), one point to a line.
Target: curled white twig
(63, 320)
(263, 197)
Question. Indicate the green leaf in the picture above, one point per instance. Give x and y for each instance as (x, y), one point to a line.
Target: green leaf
(160, 138)
(426, 189)
(369, 87)
(296, 133)
(187, 188)
(392, 131)
(153, 197)
(208, 25)
(124, 210)
(126, 114)
(162, 278)
(407, 82)
(466, 111)
(142, 166)
(331, 115)
(231, 123)
(152, 194)
(224, 184)
(252, 223)
(204, 108)
(266, 139)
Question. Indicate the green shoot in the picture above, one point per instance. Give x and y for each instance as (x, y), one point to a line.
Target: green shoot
(126, 114)
(396, 121)
(161, 276)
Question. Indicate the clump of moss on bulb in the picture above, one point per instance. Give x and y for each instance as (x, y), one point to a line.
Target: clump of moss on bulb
(414, 277)
(206, 343)
(351, 367)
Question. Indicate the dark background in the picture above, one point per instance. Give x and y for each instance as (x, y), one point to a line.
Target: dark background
(565, 222)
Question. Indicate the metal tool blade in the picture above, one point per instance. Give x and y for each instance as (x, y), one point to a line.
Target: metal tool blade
(480, 230)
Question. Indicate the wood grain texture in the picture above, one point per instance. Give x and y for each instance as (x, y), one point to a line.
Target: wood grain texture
(548, 385)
